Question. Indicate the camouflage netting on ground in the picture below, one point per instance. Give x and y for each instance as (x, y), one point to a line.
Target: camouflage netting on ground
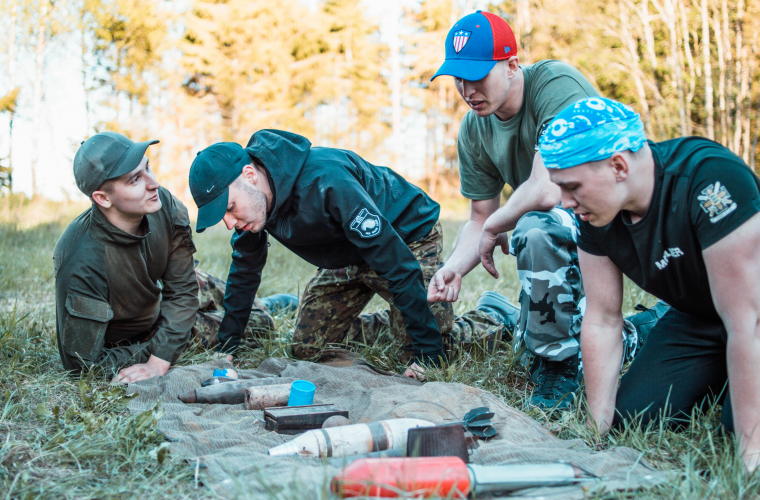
(228, 444)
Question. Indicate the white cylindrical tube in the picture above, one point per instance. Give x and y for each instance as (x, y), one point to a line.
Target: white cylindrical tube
(267, 396)
(349, 440)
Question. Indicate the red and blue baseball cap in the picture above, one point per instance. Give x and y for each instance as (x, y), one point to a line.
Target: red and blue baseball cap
(475, 44)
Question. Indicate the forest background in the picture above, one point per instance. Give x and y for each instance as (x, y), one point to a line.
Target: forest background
(346, 73)
(194, 72)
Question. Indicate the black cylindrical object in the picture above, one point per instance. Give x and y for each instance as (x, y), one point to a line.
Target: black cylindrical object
(439, 441)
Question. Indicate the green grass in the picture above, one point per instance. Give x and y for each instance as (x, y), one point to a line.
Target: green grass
(63, 437)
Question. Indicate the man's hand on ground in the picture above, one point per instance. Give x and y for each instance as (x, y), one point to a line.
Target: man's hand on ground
(445, 285)
(488, 242)
(415, 371)
(155, 367)
(218, 355)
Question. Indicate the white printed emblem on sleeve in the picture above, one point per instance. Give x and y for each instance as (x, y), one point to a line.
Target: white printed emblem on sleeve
(366, 224)
(716, 201)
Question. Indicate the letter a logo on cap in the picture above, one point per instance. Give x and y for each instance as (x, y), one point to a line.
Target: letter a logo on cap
(460, 39)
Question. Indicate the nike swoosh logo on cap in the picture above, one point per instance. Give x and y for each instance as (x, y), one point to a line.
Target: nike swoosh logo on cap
(209, 189)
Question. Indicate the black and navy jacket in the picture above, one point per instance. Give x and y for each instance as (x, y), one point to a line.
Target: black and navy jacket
(334, 209)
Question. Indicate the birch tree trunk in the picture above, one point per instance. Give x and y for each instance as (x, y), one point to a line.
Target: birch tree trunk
(648, 34)
(730, 103)
(669, 16)
(741, 92)
(755, 135)
(12, 78)
(524, 27)
(707, 69)
(395, 62)
(633, 56)
(721, 78)
(39, 52)
(692, 66)
(83, 56)
(747, 68)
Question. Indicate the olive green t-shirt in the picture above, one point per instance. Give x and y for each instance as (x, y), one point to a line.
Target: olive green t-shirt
(493, 152)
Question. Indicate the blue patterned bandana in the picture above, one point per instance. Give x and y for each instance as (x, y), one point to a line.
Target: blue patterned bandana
(592, 129)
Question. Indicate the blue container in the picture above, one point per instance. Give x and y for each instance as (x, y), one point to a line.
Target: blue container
(221, 373)
(301, 393)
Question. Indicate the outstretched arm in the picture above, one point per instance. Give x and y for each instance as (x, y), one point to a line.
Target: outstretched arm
(249, 255)
(537, 193)
(446, 283)
(733, 269)
(601, 342)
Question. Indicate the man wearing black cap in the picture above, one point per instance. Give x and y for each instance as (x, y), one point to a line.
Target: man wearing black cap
(366, 228)
(126, 291)
(510, 105)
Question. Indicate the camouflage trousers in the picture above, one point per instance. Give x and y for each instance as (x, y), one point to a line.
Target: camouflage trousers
(330, 309)
(552, 299)
(210, 314)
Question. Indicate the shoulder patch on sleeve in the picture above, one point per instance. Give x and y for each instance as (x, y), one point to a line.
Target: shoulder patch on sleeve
(83, 307)
(716, 201)
(366, 223)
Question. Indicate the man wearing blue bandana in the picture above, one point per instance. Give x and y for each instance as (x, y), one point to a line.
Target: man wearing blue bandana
(680, 219)
(510, 106)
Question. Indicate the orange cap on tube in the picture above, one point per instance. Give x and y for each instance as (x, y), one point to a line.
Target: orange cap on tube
(387, 477)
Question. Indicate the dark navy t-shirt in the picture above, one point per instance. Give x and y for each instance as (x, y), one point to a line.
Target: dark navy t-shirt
(702, 192)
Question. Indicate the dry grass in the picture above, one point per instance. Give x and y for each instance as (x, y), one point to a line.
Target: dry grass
(72, 438)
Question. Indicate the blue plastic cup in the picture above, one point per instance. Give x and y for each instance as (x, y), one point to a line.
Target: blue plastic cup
(222, 373)
(301, 393)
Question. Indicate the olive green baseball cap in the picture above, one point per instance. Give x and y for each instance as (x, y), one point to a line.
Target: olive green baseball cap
(104, 156)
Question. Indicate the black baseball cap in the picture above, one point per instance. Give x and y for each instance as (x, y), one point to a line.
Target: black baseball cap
(211, 174)
(104, 156)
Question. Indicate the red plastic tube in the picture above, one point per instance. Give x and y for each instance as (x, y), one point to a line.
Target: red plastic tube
(388, 477)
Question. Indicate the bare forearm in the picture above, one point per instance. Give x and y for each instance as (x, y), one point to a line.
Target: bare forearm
(535, 194)
(743, 356)
(466, 256)
(602, 348)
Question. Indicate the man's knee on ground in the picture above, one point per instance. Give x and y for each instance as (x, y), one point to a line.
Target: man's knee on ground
(305, 351)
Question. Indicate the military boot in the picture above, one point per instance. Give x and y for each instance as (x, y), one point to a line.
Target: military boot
(499, 308)
(645, 320)
(281, 303)
(556, 383)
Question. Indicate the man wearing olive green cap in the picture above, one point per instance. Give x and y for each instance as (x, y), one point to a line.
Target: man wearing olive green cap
(127, 294)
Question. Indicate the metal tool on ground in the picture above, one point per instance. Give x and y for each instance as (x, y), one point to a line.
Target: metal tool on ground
(217, 380)
(478, 422)
(228, 393)
(348, 440)
(447, 477)
(301, 393)
(268, 396)
(297, 419)
(439, 441)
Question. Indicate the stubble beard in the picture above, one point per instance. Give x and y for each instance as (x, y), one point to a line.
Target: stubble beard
(258, 202)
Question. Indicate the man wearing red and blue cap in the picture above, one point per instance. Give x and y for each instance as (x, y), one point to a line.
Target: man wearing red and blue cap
(681, 219)
(510, 107)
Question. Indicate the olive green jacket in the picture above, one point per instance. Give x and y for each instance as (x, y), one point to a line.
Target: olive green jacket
(121, 297)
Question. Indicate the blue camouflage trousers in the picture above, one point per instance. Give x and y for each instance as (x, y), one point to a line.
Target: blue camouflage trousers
(552, 299)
